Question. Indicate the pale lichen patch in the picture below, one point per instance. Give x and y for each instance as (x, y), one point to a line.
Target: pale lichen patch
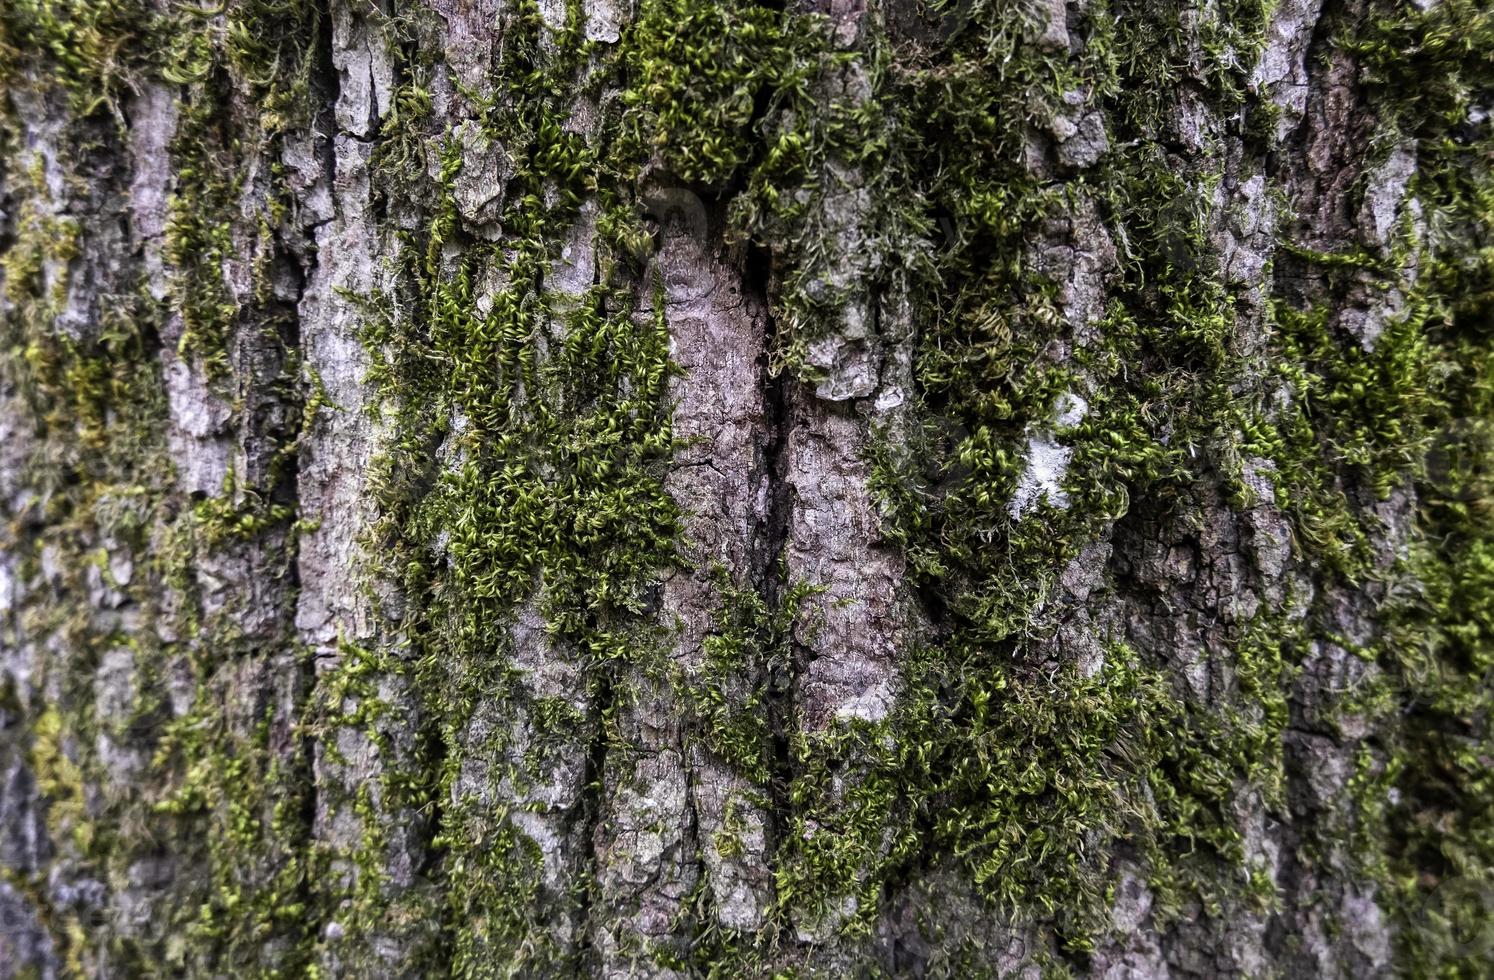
(1048, 460)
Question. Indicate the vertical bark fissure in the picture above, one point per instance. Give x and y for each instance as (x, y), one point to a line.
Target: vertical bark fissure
(589, 816)
(769, 571)
(1319, 189)
(326, 89)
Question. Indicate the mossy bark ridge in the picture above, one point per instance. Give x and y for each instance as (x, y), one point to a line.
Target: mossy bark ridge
(703, 488)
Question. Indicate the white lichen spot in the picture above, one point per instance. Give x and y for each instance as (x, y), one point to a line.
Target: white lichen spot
(537, 827)
(1069, 410)
(603, 22)
(1386, 187)
(890, 398)
(1048, 460)
(553, 12)
(873, 704)
(1091, 661)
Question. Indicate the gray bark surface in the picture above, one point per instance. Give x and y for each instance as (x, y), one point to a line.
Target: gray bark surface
(685, 488)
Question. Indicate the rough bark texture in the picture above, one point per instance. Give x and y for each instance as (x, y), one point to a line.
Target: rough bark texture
(683, 487)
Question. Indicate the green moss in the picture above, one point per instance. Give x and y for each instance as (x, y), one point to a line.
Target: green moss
(92, 401)
(747, 659)
(1416, 414)
(110, 549)
(1439, 651)
(553, 439)
(1355, 418)
(93, 49)
(260, 52)
(697, 72)
(530, 435)
(1033, 778)
(269, 46)
(199, 235)
(60, 781)
(1030, 781)
(246, 795)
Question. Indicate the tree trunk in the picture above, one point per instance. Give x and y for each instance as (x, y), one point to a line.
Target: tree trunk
(688, 487)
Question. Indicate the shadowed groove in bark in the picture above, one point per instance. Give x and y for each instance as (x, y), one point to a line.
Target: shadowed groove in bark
(769, 560)
(592, 808)
(325, 88)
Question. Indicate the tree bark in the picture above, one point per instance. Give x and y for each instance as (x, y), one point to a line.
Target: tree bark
(688, 487)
